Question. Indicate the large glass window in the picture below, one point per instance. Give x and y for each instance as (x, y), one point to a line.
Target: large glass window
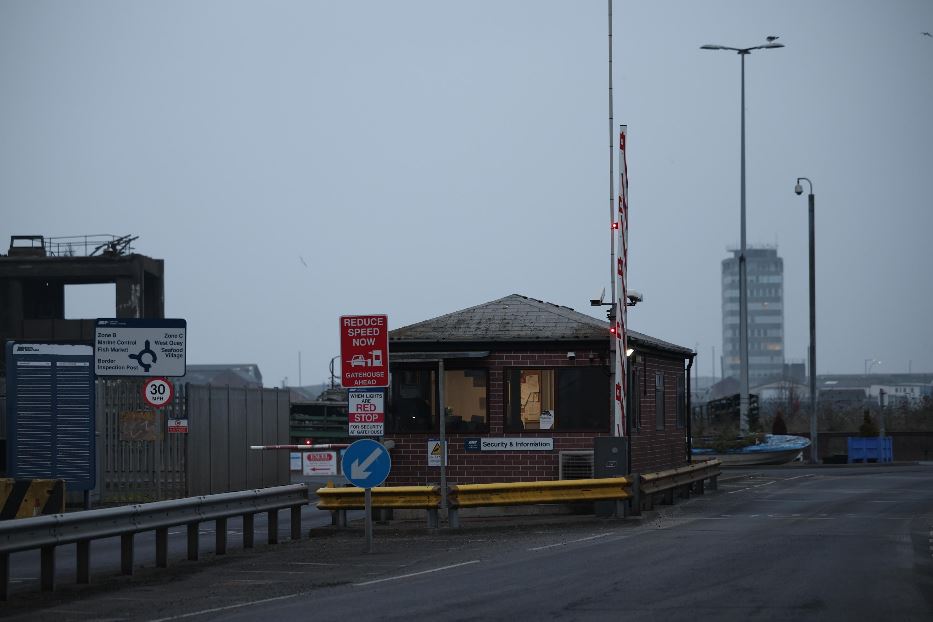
(562, 399)
(465, 400)
(414, 400)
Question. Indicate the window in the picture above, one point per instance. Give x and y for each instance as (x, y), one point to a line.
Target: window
(681, 403)
(636, 378)
(572, 398)
(465, 400)
(414, 400)
(659, 401)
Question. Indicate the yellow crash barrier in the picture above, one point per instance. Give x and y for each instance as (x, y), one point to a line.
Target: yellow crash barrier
(351, 497)
(524, 493)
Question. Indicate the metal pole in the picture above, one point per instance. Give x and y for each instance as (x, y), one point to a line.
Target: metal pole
(743, 286)
(368, 509)
(814, 415)
(443, 426)
(612, 246)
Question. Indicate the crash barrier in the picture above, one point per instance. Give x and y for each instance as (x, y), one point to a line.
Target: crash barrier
(339, 500)
(23, 498)
(529, 493)
(667, 483)
(47, 532)
(630, 493)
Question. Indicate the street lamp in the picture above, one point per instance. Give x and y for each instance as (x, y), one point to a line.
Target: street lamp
(814, 449)
(743, 285)
(869, 363)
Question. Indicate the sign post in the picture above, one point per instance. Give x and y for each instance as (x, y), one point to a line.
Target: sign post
(366, 464)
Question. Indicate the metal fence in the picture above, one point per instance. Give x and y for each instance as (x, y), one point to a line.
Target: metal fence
(223, 423)
(139, 460)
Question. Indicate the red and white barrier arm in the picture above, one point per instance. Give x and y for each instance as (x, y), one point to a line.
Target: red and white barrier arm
(302, 447)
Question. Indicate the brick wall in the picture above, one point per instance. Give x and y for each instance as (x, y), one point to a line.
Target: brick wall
(652, 450)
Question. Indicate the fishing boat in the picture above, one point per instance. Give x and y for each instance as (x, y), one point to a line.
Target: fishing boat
(773, 449)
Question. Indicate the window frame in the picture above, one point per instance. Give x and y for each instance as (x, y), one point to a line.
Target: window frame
(508, 424)
(659, 410)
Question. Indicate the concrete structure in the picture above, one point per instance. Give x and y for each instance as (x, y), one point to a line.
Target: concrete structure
(518, 371)
(765, 315)
(34, 273)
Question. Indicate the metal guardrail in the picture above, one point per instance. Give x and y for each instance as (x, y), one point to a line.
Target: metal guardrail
(529, 493)
(340, 500)
(47, 532)
(633, 488)
(692, 476)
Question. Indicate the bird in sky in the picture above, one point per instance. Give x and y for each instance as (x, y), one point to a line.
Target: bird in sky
(926, 34)
(302, 259)
(772, 38)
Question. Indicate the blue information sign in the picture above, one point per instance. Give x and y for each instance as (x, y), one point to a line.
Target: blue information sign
(366, 463)
(50, 413)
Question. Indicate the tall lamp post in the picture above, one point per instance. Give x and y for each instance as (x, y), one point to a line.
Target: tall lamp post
(743, 285)
(814, 428)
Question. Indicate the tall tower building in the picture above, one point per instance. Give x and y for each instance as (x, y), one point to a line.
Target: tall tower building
(765, 271)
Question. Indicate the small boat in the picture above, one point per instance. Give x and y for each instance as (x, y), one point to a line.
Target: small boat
(775, 449)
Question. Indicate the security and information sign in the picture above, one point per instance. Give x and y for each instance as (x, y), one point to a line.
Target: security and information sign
(366, 415)
(50, 413)
(364, 351)
(134, 347)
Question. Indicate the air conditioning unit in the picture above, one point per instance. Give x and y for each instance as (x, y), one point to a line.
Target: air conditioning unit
(576, 464)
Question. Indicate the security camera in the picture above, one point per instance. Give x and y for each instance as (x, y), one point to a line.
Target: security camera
(798, 189)
(634, 297)
(571, 356)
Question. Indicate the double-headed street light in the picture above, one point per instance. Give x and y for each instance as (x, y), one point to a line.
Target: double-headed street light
(814, 431)
(743, 285)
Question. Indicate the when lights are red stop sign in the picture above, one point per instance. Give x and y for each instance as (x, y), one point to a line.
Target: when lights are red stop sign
(364, 351)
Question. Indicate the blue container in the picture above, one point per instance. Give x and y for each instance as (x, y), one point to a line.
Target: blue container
(870, 449)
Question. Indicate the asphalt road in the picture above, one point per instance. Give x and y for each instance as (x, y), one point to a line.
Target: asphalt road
(831, 543)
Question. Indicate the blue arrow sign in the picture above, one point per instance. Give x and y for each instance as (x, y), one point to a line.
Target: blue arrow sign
(366, 463)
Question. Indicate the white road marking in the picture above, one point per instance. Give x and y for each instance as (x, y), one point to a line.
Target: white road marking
(551, 546)
(732, 492)
(415, 574)
(230, 607)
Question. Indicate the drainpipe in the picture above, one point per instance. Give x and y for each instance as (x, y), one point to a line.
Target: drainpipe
(689, 407)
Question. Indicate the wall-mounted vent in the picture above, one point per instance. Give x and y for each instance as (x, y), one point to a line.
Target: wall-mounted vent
(576, 464)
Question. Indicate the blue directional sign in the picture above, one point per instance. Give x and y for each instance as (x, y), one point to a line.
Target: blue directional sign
(366, 463)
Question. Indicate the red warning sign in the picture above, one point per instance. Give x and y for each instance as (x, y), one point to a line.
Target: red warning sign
(364, 351)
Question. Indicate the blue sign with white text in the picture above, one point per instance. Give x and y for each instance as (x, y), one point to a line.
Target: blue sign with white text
(366, 463)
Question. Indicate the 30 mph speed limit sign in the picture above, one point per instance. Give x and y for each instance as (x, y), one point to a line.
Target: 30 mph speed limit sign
(157, 392)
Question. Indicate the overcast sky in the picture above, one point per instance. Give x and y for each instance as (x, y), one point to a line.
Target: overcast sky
(295, 161)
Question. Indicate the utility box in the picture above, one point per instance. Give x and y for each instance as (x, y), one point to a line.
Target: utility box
(610, 459)
(610, 456)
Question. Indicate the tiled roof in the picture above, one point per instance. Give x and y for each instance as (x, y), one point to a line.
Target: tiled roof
(515, 318)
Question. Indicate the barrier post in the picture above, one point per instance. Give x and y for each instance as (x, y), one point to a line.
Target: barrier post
(126, 554)
(220, 536)
(162, 547)
(4, 576)
(272, 526)
(193, 542)
(83, 561)
(248, 530)
(453, 517)
(635, 501)
(296, 522)
(47, 571)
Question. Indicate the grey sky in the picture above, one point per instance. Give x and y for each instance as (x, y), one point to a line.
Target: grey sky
(422, 157)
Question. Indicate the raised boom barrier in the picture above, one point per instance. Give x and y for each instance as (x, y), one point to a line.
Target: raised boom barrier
(47, 532)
